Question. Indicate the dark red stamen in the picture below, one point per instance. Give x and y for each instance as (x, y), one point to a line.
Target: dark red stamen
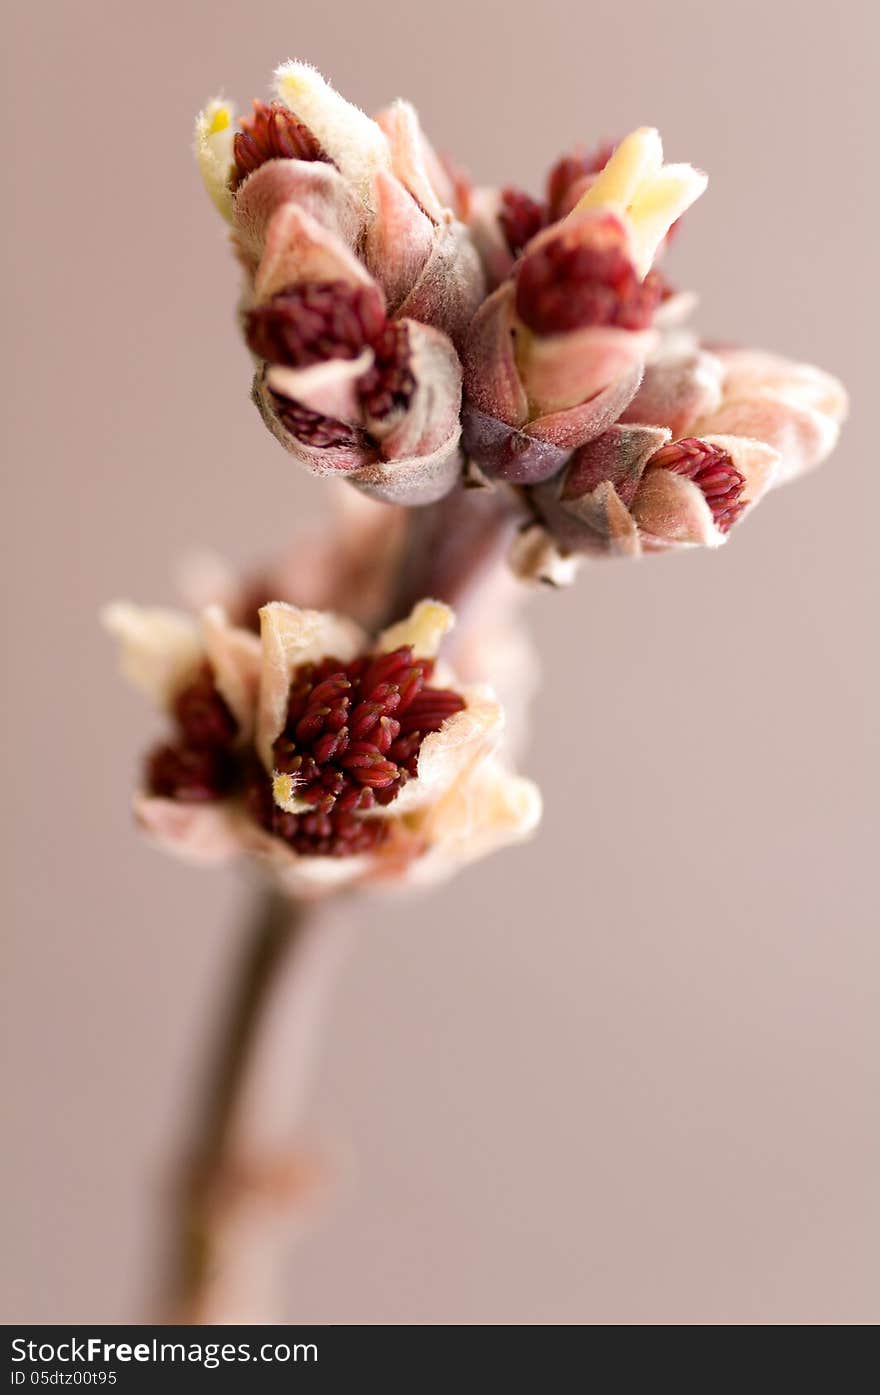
(191, 774)
(202, 715)
(315, 322)
(388, 385)
(712, 470)
(562, 287)
(353, 732)
(312, 428)
(521, 217)
(351, 742)
(200, 764)
(271, 133)
(340, 833)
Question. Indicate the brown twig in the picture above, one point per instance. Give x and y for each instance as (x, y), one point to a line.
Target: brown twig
(242, 1174)
(453, 547)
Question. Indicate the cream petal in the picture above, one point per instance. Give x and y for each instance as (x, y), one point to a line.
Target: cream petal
(674, 512)
(652, 195)
(658, 202)
(205, 833)
(234, 655)
(447, 755)
(424, 629)
(354, 142)
(399, 239)
(490, 373)
(635, 159)
(215, 129)
(160, 650)
(290, 637)
(329, 388)
(299, 249)
(492, 810)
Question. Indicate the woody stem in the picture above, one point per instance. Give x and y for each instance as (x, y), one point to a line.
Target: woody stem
(453, 547)
(241, 1170)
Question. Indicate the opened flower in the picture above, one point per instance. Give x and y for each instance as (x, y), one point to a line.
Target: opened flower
(557, 352)
(359, 281)
(329, 758)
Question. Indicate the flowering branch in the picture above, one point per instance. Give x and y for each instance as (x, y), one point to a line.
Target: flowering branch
(509, 384)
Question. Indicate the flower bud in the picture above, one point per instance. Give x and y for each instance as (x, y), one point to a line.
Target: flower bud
(555, 355)
(326, 203)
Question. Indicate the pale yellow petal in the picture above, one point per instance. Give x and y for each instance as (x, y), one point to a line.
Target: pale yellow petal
(638, 157)
(446, 756)
(492, 810)
(424, 629)
(290, 637)
(635, 182)
(353, 140)
(160, 650)
(215, 129)
(657, 203)
(234, 655)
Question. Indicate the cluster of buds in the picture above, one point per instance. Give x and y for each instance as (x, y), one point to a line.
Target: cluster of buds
(329, 757)
(622, 431)
(412, 334)
(411, 331)
(360, 281)
(703, 439)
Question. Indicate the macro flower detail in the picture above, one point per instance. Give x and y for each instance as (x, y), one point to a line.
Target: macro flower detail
(380, 358)
(509, 384)
(270, 133)
(329, 759)
(321, 196)
(556, 353)
(697, 447)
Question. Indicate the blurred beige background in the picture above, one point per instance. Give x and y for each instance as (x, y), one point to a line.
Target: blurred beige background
(629, 1074)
